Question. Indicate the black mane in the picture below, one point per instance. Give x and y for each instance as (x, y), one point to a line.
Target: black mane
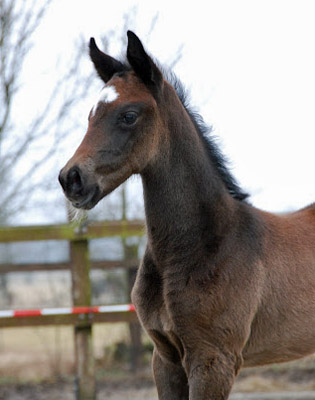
(217, 158)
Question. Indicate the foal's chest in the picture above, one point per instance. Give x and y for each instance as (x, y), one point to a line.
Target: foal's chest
(151, 298)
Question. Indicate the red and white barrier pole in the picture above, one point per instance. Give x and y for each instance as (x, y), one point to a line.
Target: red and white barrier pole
(67, 310)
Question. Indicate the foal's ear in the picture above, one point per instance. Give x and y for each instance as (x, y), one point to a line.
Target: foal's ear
(105, 65)
(142, 64)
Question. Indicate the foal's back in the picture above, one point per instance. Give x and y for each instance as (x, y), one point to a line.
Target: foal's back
(284, 326)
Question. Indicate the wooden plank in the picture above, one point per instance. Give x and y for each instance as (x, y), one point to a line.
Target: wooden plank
(71, 231)
(68, 319)
(106, 264)
(115, 228)
(7, 268)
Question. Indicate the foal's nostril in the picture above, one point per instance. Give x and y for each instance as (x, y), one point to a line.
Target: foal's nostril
(62, 180)
(74, 181)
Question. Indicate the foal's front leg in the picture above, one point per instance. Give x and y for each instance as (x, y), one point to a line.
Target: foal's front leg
(211, 375)
(170, 378)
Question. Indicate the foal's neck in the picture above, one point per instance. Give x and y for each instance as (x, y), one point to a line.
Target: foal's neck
(186, 202)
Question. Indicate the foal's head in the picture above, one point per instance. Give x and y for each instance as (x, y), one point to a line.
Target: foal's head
(135, 118)
(124, 126)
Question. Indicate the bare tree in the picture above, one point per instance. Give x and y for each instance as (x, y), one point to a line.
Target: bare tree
(19, 20)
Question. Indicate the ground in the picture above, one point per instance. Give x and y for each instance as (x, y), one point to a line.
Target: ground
(37, 364)
(293, 377)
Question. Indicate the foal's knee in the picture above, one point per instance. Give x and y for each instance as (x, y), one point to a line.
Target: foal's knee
(212, 376)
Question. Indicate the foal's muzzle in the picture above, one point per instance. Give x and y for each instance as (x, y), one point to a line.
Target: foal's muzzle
(78, 190)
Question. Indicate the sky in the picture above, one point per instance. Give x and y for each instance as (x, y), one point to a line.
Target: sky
(248, 65)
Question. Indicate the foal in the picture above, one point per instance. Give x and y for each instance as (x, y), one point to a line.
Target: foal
(222, 284)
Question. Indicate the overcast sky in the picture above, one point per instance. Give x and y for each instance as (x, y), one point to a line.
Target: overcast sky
(250, 69)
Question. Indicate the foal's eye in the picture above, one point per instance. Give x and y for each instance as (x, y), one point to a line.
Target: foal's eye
(129, 118)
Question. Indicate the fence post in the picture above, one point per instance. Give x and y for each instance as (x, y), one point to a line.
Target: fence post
(135, 330)
(81, 296)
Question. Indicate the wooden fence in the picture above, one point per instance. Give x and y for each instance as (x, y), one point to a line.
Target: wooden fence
(80, 265)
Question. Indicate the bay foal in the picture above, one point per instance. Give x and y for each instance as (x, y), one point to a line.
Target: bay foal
(222, 284)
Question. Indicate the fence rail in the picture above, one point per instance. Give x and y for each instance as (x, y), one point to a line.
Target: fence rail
(32, 267)
(80, 266)
(71, 232)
